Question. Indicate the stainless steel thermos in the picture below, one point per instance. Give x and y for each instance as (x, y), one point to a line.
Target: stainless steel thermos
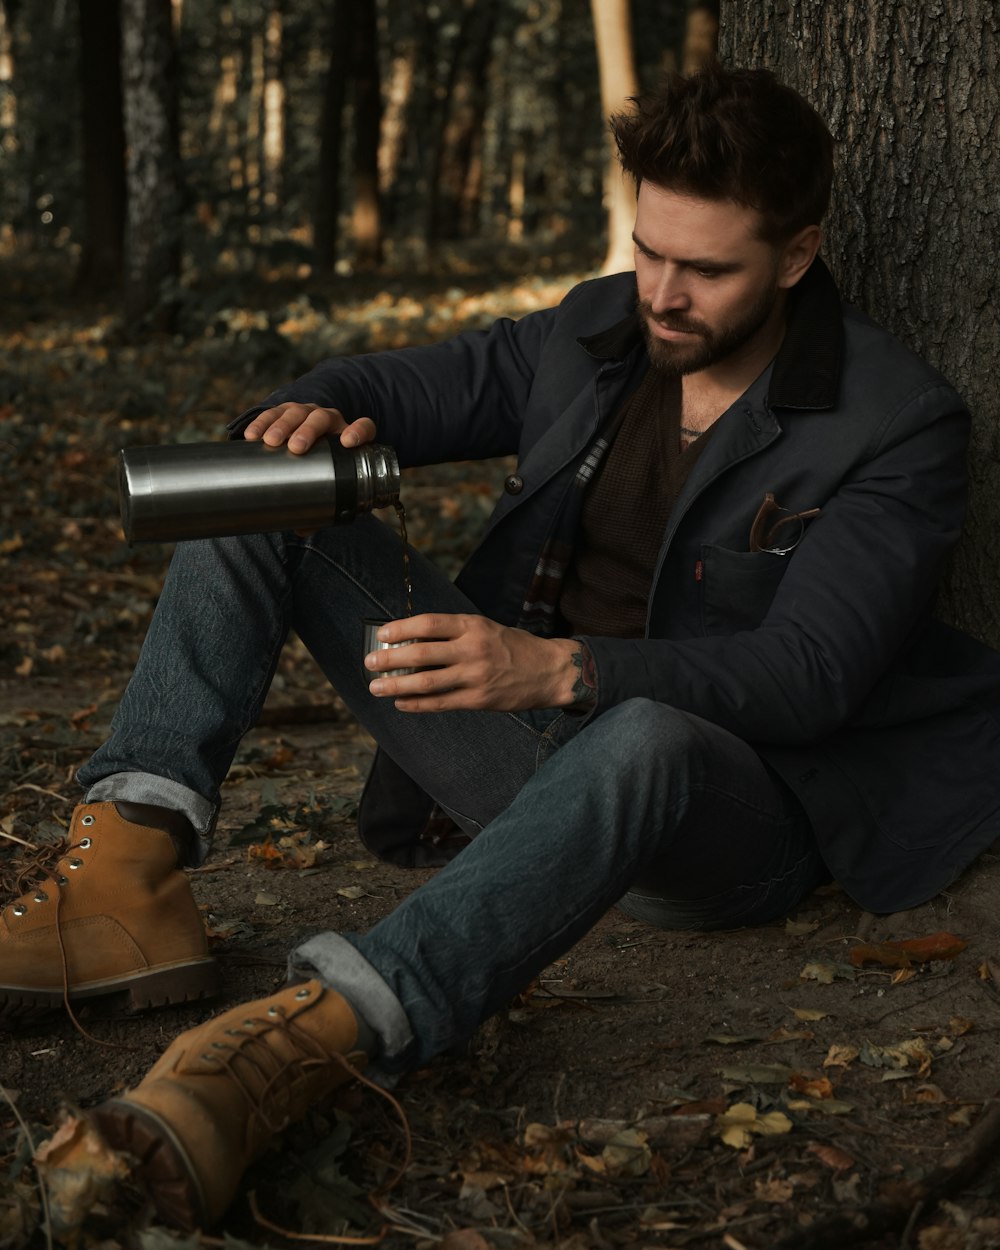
(210, 490)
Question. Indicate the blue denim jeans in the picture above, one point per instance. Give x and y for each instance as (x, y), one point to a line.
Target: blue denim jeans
(666, 815)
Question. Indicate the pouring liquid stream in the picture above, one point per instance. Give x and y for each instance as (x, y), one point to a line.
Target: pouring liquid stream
(407, 584)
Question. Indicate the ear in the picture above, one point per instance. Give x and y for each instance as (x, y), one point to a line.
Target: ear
(797, 255)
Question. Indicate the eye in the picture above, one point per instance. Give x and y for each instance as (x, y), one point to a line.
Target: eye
(709, 273)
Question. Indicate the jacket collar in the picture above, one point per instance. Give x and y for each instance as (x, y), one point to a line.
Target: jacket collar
(806, 372)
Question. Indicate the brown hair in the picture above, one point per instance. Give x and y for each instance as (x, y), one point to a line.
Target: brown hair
(732, 134)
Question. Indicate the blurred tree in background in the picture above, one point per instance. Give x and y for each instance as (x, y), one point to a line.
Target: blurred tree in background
(154, 141)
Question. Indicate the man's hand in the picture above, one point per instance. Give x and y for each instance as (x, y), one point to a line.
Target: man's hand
(300, 425)
(473, 663)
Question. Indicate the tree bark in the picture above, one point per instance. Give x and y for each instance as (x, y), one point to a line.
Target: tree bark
(152, 233)
(916, 201)
(367, 92)
(103, 139)
(326, 217)
(619, 81)
(452, 197)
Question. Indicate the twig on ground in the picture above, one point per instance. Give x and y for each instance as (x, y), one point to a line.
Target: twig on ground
(862, 1224)
(30, 785)
(43, 1192)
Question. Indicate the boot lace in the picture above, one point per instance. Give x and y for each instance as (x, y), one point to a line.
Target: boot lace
(271, 1083)
(22, 873)
(270, 1086)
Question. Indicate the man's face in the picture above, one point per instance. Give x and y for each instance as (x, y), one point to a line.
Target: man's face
(709, 286)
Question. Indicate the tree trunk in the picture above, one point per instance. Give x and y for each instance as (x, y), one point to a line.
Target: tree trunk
(327, 212)
(701, 35)
(367, 216)
(152, 234)
(616, 67)
(103, 137)
(465, 102)
(913, 221)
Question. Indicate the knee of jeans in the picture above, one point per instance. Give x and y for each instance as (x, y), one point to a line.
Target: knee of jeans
(644, 731)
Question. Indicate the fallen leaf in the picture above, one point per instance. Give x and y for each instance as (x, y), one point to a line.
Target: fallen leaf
(773, 1190)
(758, 1073)
(958, 1025)
(799, 928)
(846, 1191)
(79, 1171)
(352, 891)
(910, 951)
(912, 1051)
(627, 1154)
(464, 1239)
(737, 1126)
(79, 720)
(924, 1093)
(825, 973)
(782, 1034)
(734, 1039)
(840, 1055)
(823, 1106)
(809, 1013)
(812, 1087)
(833, 1157)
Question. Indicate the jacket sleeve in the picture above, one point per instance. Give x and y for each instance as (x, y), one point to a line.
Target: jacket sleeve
(852, 593)
(459, 400)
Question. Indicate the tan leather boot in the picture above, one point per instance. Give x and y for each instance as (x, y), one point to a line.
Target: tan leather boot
(116, 916)
(221, 1092)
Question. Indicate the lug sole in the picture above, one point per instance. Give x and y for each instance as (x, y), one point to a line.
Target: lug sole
(161, 1166)
(154, 987)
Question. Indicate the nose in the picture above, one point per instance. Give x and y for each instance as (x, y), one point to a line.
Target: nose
(670, 294)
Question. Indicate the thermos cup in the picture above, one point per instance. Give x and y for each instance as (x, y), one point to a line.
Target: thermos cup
(211, 490)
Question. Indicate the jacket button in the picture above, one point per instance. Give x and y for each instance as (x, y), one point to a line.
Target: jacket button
(513, 484)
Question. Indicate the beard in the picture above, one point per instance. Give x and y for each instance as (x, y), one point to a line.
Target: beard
(709, 344)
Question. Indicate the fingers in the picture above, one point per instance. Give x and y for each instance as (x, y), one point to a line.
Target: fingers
(452, 655)
(430, 625)
(300, 425)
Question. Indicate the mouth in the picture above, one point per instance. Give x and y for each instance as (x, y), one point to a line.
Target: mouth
(669, 331)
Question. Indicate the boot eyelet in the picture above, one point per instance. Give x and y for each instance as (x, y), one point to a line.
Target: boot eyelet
(234, 1033)
(87, 821)
(41, 897)
(75, 863)
(62, 880)
(19, 909)
(85, 844)
(249, 1024)
(303, 994)
(220, 1046)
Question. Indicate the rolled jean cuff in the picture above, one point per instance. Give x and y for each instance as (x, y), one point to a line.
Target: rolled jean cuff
(162, 792)
(343, 968)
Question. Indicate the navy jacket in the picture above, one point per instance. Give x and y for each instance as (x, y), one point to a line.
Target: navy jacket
(885, 723)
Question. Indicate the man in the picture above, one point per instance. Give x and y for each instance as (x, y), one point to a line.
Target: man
(690, 669)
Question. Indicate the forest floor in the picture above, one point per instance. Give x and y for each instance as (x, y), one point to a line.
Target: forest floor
(652, 1089)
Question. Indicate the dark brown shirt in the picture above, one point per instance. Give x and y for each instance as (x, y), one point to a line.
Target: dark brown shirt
(625, 514)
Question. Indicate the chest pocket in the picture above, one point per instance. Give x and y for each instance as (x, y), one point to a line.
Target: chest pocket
(737, 587)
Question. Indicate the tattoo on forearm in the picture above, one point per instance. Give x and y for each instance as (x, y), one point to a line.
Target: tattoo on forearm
(585, 682)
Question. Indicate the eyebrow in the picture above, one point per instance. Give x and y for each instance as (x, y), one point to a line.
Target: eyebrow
(692, 262)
